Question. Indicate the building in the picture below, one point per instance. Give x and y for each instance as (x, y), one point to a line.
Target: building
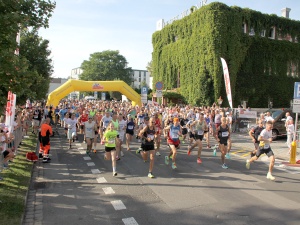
(55, 83)
(141, 78)
(75, 75)
(262, 53)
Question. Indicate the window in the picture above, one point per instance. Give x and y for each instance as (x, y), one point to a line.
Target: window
(263, 33)
(252, 32)
(244, 28)
(272, 33)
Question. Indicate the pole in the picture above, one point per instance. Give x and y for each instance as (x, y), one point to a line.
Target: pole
(294, 144)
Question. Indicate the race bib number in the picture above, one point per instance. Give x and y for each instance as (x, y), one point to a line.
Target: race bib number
(267, 146)
(151, 136)
(130, 127)
(111, 141)
(225, 134)
(200, 132)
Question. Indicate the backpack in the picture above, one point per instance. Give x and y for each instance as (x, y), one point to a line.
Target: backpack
(31, 156)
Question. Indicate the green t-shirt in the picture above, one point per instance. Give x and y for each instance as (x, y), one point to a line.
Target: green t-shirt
(110, 137)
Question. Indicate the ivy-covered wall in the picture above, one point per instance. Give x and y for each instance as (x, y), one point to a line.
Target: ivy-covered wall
(191, 48)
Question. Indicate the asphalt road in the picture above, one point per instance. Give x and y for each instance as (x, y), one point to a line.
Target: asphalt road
(77, 189)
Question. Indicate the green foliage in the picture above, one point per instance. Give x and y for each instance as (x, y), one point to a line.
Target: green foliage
(16, 71)
(191, 48)
(106, 65)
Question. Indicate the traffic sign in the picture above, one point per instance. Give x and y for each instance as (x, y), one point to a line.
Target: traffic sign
(296, 108)
(159, 85)
(158, 93)
(296, 101)
(144, 90)
(297, 90)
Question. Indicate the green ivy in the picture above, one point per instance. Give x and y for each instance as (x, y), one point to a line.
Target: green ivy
(191, 48)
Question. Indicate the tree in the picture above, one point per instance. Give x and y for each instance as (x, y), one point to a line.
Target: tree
(106, 65)
(18, 15)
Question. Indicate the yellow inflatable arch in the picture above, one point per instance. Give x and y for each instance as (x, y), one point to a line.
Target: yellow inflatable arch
(78, 85)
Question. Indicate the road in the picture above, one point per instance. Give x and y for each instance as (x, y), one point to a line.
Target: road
(77, 189)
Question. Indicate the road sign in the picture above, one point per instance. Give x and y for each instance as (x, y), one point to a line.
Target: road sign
(159, 85)
(158, 93)
(296, 108)
(297, 90)
(296, 101)
(144, 90)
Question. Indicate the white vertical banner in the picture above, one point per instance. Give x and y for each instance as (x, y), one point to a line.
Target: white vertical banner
(17, 51)
(10, 110)
(227, 81)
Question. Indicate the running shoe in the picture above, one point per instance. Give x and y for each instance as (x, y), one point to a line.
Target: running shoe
(199, 160)
(166, 160)
(87, 152)
(248, 164)
(189, 150)
(45, 160)
(183, 142)
(83, 142)
(227, 156)
(115, 174)
(171, 157)
(122, 154)
(174, 166)
(138, 151)
(157, 153)
(118, 158)
(5, 166)
(150, 175)
(270, 177)
(224, 166)
(95, 151)
(215, 152)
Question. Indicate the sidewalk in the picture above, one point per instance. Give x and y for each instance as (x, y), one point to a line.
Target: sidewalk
(279, 147)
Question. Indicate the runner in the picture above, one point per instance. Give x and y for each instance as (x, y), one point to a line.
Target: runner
(158, 127)
(173, 133)
(81, 120)
(89, 129)
(105, 121)
(115, 122)
(183, 123)
(265, 139)
(148, 134)
(109, 138)
(200, 127)
(46, 132)
(223, 135)
(129, 131)
(71, 126)
(254, 133)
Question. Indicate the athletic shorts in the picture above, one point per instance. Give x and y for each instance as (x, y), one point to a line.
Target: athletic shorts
(81, 127)
(35, 123)
(192, 135)
(198, 137)
(223, 141)
(148, 147)
(71, 134)
(121, 136)
(217, 125)
(129, 132)
(184, 131)
(267, 151)
(109, 149)
(5, 153)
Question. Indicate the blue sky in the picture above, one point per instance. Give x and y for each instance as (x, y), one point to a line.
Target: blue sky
(79, 28)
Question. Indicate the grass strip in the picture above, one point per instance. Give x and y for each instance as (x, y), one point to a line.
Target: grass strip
(13, 188)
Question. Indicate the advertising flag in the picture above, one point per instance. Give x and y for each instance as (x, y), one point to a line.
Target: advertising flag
(227, 81)
(10, 110)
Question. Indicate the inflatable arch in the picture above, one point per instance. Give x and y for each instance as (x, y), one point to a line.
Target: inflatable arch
(78, 85)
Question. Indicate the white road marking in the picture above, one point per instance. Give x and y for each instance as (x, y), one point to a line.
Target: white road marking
(80, 148)
(94, 171)
(78, 144)
(118, 205)
(129, 221)
(108, 190)
(82, 152)
(91, 164)
(87, 158)
(101, 180)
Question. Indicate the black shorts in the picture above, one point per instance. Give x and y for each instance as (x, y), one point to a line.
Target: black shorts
(65, 128)
(223, 141)
(267, 151)
(5, 153)
(129, 132)
(148, 147)
(109, 149)
(192, 135)
(198, 137)
(81, 127)
(184, 131)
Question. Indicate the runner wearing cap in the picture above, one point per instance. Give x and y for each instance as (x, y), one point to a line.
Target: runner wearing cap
(89, 129)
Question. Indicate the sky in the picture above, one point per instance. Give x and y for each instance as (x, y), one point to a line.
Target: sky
(79, 28)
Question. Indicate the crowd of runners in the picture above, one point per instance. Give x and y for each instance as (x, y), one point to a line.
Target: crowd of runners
(115, 124)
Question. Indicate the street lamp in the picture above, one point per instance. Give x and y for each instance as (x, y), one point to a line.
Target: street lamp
(220, 101)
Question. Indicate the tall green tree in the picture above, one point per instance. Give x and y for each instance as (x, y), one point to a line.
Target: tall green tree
(18, 15)
(106, 65)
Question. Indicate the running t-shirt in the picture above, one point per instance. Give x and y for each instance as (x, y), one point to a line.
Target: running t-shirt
(265, 134)
(106, 120)
(89, 129)
(130, 126)
(116, 125)
(71, 124)
(122, 125)
(174, 132)
(223, 132)
(110, 137)
(199, 128)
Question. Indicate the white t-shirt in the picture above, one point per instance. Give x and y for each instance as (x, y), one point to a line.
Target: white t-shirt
(89, 129)
(269, 118)
(122, 125)
(290, 129)
(266, 135)
(71, 124)
(106, 120)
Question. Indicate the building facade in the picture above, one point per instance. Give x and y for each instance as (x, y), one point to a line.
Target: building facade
(262, 53)
(141, 78)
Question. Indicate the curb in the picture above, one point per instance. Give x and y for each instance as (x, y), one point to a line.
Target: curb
(26, 196)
